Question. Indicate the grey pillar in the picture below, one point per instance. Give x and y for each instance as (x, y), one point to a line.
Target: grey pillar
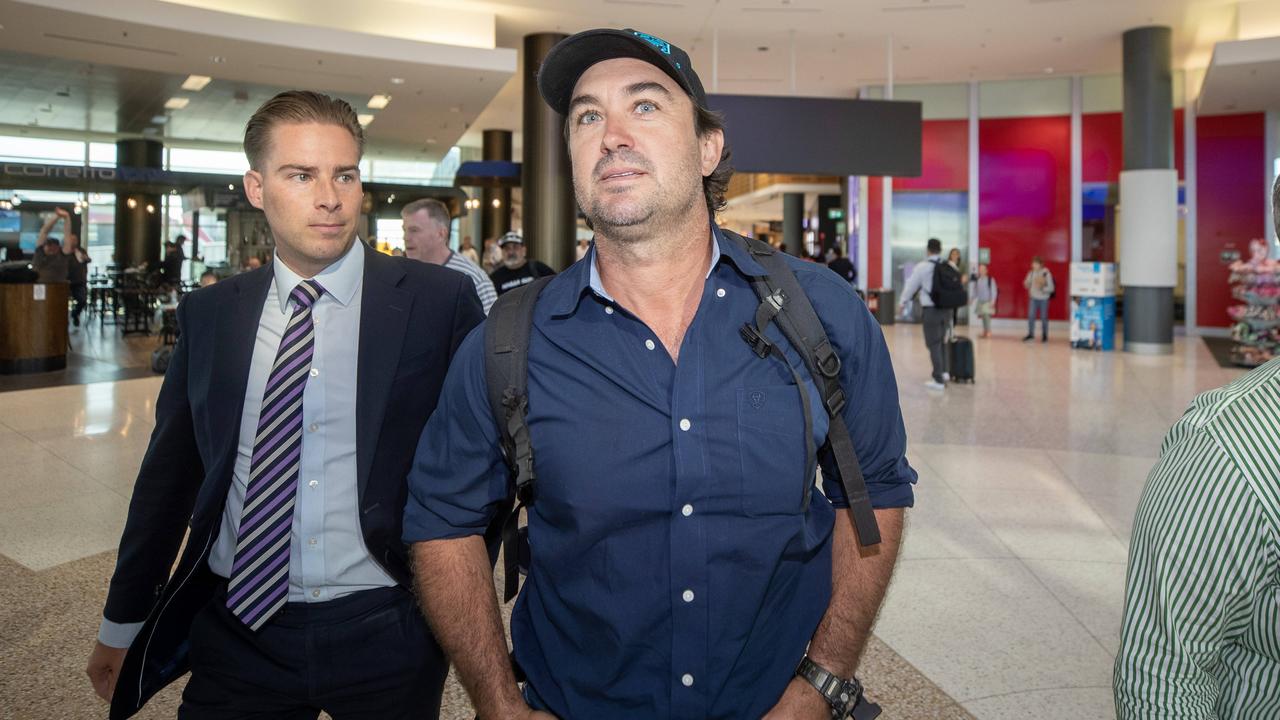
(1148, 193)
(546, 179)
(495, 221)
(792, 223)
(138, 231)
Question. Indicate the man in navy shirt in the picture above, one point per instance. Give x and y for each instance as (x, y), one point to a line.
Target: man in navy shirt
(677, 570)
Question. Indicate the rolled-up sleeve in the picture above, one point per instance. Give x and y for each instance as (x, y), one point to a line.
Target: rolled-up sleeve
(871, 413)
(458, 478)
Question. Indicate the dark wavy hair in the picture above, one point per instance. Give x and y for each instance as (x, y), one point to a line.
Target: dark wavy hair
(715, 185)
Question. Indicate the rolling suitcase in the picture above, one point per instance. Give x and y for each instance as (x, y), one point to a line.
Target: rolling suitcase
(960, 359)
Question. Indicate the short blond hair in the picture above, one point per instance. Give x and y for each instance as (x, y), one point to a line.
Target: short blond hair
(297, 106)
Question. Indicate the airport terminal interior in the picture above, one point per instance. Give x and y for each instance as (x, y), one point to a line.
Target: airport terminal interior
(1129, 148)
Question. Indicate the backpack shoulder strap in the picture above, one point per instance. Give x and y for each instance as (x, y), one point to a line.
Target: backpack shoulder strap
(506, 369)
(803, 329)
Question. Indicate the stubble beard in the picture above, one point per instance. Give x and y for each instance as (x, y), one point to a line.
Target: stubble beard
(642, 219)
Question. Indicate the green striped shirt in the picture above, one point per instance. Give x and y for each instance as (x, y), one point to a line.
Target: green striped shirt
(1201, 635)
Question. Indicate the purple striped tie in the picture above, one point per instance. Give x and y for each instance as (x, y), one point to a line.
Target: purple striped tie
(259, 582)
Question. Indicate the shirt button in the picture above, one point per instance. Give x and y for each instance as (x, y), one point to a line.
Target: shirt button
(311, 542)
(315, 372)
(687, 596)
(649, 344)
(314, 427)
(687, 510)
(314, 483)
(316, 594)
(685, 424)
(686, 680)
(720, 292)
(608, 310)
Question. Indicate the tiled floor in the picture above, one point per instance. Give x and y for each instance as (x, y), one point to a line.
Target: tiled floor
(1010, 589)
(1007, 597)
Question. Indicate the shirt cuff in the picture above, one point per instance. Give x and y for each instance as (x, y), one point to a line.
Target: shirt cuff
(118, 635)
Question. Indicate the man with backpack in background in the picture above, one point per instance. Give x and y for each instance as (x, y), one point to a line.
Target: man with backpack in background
(681, 562)
(941, 291)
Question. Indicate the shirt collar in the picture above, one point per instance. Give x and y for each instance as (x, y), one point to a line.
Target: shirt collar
(584, 275)
(340, 280)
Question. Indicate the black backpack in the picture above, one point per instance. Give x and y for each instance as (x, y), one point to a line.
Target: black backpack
(782, 300)
(948, 290)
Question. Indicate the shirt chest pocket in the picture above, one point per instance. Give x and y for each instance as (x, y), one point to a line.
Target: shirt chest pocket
(771, 448)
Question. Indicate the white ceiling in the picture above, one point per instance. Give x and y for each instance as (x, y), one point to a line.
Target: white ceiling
(109, 67)
(124, 57)
(842, 45)
(1244, 77)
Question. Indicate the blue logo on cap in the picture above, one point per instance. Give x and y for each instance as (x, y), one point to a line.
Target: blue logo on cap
(657, 42)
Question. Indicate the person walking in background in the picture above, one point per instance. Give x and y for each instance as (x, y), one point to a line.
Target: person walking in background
(77, 269)
(956, 260)
(468, 251)
(935, 319)
(426, 224)
(516, 268)
(842, 266)
(492, 255)
(985, 293)
(1039, 284)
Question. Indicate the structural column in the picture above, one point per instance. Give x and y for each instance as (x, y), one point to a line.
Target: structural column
(793, 223)
(1148, 193)
(495, 202)
(549, 209)
(137, 228)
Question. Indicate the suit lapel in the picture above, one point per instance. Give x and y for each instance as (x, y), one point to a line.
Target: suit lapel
(384, 317)
(233, 354)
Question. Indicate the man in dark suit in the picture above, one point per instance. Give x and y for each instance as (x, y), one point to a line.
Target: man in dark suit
(285, 429)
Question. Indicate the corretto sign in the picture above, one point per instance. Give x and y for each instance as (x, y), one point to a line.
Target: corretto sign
(73, 172)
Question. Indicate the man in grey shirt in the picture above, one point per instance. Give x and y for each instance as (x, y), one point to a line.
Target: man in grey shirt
(935, 319)
(426, 238)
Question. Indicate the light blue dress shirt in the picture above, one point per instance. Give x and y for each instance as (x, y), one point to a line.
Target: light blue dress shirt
(327, 554)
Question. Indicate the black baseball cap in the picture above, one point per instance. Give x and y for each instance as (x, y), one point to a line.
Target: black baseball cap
(572, 56)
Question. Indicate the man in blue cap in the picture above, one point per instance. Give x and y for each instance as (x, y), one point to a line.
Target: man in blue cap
(682, 563)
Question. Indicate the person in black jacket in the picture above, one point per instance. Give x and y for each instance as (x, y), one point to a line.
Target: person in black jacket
(284, 431)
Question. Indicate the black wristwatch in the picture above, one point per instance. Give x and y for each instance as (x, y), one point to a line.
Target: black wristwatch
(843, 695)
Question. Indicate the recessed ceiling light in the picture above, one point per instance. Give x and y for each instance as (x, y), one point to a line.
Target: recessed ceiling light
(1048, 71)
(176, 103)
(217, 59)
(196, 83)
(397, 81)
(364, 120)
(431, 141)
(377, 102)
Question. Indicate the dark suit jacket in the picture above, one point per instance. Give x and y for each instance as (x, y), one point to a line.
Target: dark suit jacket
(413, 316)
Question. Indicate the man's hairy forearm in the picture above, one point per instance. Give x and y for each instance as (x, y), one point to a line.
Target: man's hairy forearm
(859, 579)
(455, 588)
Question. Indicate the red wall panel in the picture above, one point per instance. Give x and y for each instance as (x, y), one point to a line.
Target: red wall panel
(1230, 204)
(875, 233)
(944, 157)
(1102, 146)
(1024, 206)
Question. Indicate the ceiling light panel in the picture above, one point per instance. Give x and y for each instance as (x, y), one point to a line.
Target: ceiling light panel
(377, 102)
(196, 83)
(364, 120)
(176, 103)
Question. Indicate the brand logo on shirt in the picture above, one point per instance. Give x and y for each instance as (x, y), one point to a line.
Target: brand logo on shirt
(757, 399)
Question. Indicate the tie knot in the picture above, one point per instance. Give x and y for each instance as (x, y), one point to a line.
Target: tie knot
(306, 293)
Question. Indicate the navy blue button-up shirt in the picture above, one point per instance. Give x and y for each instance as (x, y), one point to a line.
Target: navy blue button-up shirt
(675, 571)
